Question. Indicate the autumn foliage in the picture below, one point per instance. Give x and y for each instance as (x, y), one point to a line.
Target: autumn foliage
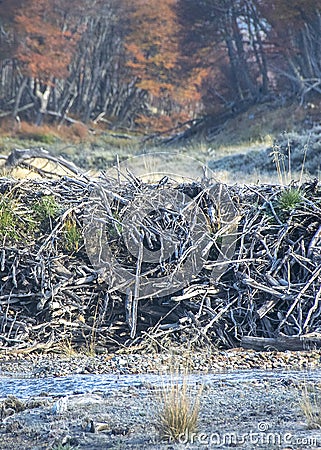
(45, 49)
(153, 64)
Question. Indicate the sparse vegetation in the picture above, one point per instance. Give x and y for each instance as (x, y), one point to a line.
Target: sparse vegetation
(72, 235)
(89, 348)
(311, 406)
(289, 199)
(178, 412)
(16, 222)
(8, 218)
(64, 447)
(47, 208)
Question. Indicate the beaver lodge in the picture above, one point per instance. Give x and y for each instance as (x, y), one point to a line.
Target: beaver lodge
(80, 265)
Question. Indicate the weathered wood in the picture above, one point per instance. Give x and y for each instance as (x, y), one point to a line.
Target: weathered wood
(282, 343)
(17, 156)
(51, 294)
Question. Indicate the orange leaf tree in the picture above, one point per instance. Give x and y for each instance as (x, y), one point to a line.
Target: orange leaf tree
(153, 49)
(46, 44)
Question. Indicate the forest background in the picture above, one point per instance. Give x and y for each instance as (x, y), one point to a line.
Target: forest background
(154, 65)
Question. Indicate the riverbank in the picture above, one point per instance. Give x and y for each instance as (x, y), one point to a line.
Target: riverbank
(43, 365)
(248, 400)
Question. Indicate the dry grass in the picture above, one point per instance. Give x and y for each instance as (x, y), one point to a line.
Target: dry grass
(42, 134)
(94, 147)
(178, 413)
(259, 125)
(74, 133)
(46, 133)
(67, 348)
(310, 404)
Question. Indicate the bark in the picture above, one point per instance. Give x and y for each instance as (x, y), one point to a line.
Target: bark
(43, 97)
(283, 343)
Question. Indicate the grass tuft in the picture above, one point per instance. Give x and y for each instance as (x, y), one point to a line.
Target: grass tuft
(67, 348)
(289, 199)
(64, 447)
(8, 218)
(178, 413)
(16, 222)
(72, 235)
(311, 407)
(47, 207)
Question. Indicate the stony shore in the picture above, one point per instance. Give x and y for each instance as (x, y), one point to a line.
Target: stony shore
(245, 414)
(132, 363)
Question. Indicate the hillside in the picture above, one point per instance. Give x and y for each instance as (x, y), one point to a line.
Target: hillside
(267, 143)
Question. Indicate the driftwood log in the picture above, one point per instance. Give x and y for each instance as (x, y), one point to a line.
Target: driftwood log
(267, 293)
(293, 343)
(39, 161)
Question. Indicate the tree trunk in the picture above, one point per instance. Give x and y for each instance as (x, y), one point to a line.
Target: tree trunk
(283, 343)
(44, 99)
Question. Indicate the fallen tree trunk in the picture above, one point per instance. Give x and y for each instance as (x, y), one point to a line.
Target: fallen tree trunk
(282, 343)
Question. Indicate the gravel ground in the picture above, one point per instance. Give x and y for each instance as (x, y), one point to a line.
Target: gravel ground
(123, 363)
(262, 413)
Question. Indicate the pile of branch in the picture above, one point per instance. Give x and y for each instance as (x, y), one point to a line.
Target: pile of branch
(52, 295)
